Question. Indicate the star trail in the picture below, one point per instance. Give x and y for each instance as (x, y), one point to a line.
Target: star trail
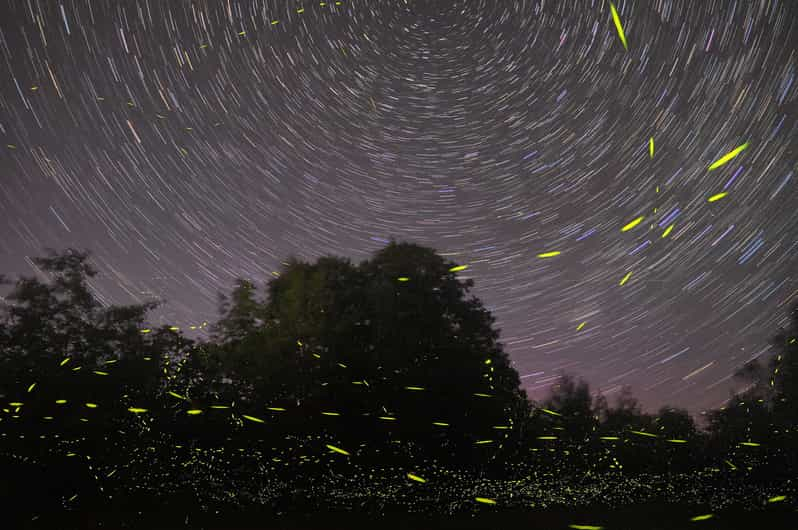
(619, 178)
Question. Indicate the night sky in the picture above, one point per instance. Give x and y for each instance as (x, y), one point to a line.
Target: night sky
(189, 143)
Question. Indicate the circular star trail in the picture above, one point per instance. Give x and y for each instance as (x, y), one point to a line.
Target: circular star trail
(190, 143)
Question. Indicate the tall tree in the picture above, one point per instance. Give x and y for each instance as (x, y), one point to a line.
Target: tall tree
(426, 331)
(681, 447)
(569, 423)
(571, 399)
(767, 409)
(630, 452)
(626, 414)
(73, 368)
(783, 372)
(240, 314)
(675, 423)
(394, 348)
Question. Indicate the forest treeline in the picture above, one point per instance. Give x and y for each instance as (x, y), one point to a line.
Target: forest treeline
(390, 363)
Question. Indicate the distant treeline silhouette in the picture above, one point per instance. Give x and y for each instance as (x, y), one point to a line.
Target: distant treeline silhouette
(334, 369)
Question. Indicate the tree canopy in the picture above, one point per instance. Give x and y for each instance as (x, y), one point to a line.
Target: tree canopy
(389, 362)
(397, 337)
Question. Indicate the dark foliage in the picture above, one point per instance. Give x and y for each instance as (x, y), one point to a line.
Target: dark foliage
(391, 359)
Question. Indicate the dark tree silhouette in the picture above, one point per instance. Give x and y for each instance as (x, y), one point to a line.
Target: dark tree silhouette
(626, 415)
(683, 447)
(73, 368)
(783, 372)
(427, 332)
(565, 424)
(620, 446)
(675, 423)
(572, 400)
(764, 412)
(240, 314)
(392, 359)
(393, 347)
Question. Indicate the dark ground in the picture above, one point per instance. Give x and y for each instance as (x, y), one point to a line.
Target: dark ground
(648, 517)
